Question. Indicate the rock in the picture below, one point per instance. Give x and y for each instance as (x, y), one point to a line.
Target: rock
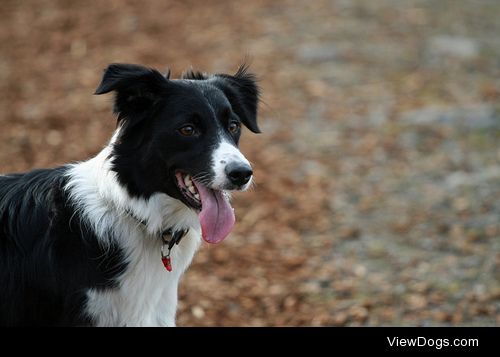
(198, 312)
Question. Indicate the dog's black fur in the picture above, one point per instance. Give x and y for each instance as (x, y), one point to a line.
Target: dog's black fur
(47, 259)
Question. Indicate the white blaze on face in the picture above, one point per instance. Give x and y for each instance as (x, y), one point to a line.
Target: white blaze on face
(222, 156)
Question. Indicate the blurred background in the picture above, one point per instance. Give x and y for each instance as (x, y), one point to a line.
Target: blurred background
(377, 198)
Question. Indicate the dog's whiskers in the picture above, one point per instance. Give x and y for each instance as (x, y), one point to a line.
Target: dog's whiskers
(203, 178)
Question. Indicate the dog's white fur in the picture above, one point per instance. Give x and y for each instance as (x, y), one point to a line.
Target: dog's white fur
(224, 154)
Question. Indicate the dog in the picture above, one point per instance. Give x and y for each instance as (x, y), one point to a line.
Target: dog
(104, 242)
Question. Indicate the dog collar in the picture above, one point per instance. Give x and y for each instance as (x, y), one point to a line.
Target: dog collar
(169, 238)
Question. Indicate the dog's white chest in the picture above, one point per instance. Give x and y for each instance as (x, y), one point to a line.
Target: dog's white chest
(146, 294)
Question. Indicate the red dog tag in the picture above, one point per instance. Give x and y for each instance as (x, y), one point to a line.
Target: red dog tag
(167, 263)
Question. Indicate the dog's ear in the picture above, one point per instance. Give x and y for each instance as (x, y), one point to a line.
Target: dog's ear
(243, 93)
(137, 88)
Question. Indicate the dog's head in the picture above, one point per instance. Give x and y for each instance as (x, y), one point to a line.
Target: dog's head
(180, 137)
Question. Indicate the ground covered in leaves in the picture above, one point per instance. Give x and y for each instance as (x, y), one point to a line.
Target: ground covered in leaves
(377, 196)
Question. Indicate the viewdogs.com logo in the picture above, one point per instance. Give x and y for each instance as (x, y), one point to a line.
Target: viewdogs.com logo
(437, 343)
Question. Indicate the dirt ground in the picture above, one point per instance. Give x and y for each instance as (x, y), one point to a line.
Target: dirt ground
(377, 197)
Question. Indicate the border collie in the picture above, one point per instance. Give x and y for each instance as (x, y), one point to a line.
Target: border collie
(104, 242)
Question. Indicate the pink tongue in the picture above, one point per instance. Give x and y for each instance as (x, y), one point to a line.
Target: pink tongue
(216, 216)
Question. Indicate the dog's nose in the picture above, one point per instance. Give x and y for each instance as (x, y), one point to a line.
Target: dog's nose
(238, 173)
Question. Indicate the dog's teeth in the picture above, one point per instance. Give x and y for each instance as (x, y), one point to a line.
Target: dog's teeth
(187, 180)
(197, 196)
(192, 189)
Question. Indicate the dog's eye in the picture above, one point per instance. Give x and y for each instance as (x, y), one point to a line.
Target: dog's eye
(234, 127)
(187, 130)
